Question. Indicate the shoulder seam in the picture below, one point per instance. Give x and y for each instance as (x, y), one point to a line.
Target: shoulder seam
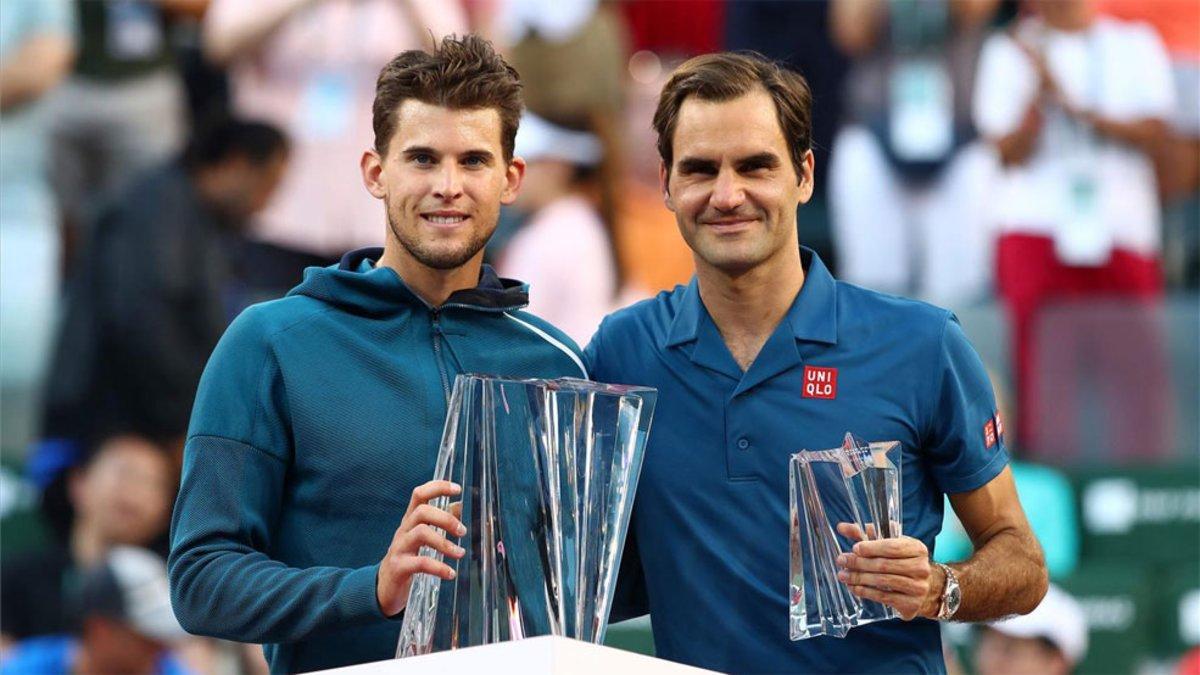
(239, 442)
(937, 382)
(296, 321)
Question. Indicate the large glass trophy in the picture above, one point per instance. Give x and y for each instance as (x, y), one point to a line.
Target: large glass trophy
(857, 484)
(549, 469)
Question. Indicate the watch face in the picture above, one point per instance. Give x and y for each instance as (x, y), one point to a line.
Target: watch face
(954, 599)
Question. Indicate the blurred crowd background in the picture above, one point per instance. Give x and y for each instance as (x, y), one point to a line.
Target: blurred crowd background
(1032, 164)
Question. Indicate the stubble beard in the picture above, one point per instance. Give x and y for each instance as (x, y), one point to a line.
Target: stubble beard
(435, 257)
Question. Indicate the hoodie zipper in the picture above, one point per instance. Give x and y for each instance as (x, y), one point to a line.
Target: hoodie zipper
(435, 321)
(437, 353)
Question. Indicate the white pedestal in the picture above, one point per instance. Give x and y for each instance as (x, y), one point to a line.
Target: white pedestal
(547, 655)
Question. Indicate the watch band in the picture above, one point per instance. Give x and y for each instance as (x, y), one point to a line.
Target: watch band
(951, 594)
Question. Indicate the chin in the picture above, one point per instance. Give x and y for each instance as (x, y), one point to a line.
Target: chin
(729, 259)
(448, 258)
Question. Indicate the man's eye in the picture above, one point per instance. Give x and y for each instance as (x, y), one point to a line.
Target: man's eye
(422, 159)
(474, 161)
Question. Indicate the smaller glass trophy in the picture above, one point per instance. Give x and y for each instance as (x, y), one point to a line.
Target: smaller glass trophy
(857, 484)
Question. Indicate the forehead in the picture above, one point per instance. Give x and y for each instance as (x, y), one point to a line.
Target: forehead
(448, 130)
(740, 126)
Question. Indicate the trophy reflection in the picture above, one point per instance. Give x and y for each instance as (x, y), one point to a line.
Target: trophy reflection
(858, 484)
(549, 470)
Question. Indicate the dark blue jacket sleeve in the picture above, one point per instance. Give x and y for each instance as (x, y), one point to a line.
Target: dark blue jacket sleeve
(224, 582)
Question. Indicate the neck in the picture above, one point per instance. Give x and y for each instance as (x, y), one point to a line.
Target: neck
(87, 546)
(747, 306)
(434, 286)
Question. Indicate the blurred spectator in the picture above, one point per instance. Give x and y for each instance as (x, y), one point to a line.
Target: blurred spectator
(127, 625)
(152, 297)
(205, 84)
(907, 175)
(1074, 104)
(565, 251)
(1099, 386)
(309, 66)
(35, 55)
(1177, 162)
(123, 109)
(121, 496)
(653, 255)
(1050, 640)
(640, 250)
(553, 43)
(652, 252)
(678, 28)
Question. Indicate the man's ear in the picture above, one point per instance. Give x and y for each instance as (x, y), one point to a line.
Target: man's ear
(807, 176)
(371, 165)
(513, 176)
(664, 179)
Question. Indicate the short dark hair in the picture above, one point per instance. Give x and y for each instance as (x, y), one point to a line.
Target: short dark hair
(728, 75)
(460, 73)
(219, 139)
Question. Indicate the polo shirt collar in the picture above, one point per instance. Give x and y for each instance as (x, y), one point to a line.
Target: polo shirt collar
(812, 317)
(687, 319)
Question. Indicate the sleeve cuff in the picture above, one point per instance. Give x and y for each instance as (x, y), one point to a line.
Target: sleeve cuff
(362, 596)
(979, 478)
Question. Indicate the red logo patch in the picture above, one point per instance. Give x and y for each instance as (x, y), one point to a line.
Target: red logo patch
(820, 382)
(999, 425)
(989, 433)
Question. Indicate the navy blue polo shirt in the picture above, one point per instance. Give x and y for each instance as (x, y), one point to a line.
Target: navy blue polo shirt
(707, 553)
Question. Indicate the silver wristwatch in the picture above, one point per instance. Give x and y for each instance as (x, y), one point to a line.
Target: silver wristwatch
(951, 594)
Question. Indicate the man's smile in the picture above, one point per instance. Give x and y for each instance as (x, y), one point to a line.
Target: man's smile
(445, 218)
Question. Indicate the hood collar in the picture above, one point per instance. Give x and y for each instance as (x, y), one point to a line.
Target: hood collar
(359, 286)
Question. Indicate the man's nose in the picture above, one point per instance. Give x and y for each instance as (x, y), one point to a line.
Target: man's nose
(727, 193)
(449, 182)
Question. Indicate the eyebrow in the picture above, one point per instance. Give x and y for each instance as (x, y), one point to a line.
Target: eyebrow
(691, 164)
(420, 150)
(760, 159)
(485, 155)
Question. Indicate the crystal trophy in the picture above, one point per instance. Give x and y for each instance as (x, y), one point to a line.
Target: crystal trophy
(549, 469)
(857, 484)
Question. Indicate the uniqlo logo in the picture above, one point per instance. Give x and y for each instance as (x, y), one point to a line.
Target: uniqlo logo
(999, 426)
(820, 382)
(989, 433)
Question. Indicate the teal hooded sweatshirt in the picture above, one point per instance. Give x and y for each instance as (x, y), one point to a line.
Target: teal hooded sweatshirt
(317, 415)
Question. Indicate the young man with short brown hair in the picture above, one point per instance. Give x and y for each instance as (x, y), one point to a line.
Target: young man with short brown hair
(318, 419)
